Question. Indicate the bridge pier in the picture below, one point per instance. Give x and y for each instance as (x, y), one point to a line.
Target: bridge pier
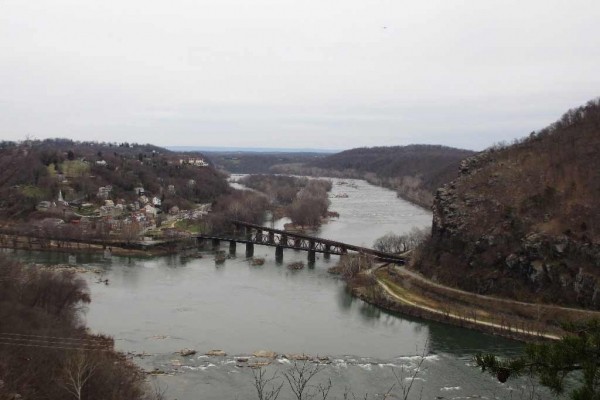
(199, 243)
(249, 249)
(327, 254)
(232, 246)
(312, 256)
(279, 254)
(271, 237)
(216, 243)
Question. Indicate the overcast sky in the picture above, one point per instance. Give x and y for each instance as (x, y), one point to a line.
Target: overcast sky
(294, 73)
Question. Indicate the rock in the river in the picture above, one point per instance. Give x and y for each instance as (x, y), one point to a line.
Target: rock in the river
(258, 261)
(265, 354)
(297, 357)
(296, 265)
(187, 352)
(216, 353)
(156, 371)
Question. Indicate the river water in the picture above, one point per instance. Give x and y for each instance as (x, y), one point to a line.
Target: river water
(161, 305)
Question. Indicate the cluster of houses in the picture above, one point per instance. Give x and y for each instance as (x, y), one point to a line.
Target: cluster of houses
(197, 162)
(143, 210)
(117, 214)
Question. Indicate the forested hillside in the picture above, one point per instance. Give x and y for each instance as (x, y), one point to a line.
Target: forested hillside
(414, 171)
(522, 221)
(257, 163)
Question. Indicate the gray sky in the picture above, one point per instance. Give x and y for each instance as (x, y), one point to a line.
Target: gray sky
(294, 73)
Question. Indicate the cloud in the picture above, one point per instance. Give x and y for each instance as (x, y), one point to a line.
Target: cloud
(328, 74)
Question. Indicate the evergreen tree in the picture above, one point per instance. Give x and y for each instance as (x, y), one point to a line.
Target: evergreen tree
(578, 353)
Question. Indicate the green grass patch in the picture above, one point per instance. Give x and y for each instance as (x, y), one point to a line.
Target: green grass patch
(73, 168)
(193, 227)
(33, 192)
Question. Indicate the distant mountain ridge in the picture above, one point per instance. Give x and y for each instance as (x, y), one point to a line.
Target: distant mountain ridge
(522, 221)
(265, 150)
(414, 171)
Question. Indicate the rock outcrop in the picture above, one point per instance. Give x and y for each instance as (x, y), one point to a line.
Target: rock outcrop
(522, 221)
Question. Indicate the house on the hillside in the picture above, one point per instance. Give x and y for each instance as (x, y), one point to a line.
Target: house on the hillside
(109, 211)
(197, 162)
(171, 189)
(150, 210)
(49, 223)
(43, 206)
(139, 191)
(104, 192)
(101, 163)
(156, 201)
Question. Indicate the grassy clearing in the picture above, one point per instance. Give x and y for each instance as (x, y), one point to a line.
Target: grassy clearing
(74, 168)
(193, 227)
(33, 192)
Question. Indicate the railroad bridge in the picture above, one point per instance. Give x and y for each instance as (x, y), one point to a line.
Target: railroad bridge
(251, 234)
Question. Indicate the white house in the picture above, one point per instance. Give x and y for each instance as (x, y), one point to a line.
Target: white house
(104, 192)
(149, 210)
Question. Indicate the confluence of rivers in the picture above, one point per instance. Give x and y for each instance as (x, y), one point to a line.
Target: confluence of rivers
(161, 305)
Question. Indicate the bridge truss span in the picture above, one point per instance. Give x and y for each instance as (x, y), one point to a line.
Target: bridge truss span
(252, 234)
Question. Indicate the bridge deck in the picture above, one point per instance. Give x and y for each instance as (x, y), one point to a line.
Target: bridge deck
(261, 235)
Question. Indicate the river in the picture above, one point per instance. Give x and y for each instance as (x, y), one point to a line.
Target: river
(161, 305)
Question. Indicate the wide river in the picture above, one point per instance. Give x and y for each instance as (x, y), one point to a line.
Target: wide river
(161, 305)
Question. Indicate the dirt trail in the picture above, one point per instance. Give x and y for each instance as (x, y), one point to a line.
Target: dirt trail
(428, 282)
(393, 294)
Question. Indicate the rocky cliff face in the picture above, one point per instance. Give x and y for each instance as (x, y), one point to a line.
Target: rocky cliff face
(522, 221)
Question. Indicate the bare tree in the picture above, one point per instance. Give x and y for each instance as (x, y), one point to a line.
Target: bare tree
(78, 369)
(405, 380)
(351, 264)
(266, 388)
(299, 377)
(157, 391)
(391, 243)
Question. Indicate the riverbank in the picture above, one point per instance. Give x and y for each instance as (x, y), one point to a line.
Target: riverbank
(139, 249)
(400, 290)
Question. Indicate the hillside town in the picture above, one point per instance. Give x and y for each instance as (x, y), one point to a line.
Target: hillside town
(87, 191)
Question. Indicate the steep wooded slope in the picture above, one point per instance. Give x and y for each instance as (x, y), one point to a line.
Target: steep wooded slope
(523, 221)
